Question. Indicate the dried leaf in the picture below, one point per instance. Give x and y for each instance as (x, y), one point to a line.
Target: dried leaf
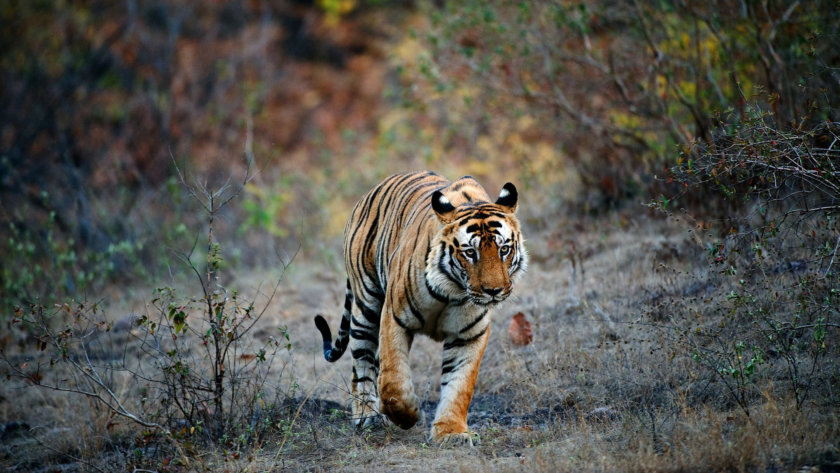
(520, 330)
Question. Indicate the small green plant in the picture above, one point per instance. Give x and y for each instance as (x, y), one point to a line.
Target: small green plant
(735, 368)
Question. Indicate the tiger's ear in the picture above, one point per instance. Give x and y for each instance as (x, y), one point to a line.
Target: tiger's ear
(508, 198)
(444, 209)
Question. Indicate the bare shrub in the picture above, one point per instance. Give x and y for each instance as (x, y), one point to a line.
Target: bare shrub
(185, 370)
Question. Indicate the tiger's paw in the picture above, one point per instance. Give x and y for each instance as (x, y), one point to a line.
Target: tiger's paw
(454, 439)
(371, 421)
(366, 413)
(402, 411)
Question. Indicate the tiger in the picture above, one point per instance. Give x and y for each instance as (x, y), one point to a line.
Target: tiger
(426, 256)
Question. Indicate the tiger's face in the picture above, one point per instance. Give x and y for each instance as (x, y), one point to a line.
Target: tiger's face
(481, 251)
(486, 253)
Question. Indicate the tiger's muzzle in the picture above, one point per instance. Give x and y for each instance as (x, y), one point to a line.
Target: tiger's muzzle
(489, 295)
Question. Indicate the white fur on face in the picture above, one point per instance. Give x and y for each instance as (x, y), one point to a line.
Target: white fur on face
(504, 236)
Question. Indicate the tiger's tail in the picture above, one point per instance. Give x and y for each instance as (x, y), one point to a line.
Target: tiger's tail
(333, 353)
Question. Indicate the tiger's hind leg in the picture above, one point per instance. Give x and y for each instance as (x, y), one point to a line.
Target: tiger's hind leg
(364, 348)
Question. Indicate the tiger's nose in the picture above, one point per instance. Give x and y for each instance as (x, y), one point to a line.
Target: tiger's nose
(491, 291)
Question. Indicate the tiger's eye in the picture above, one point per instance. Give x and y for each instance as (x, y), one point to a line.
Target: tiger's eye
(469, 253)
(504, 250)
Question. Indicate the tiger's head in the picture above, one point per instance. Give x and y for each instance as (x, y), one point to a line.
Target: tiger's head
(479, 250)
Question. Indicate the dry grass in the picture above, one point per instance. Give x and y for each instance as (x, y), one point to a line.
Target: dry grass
(601, 388)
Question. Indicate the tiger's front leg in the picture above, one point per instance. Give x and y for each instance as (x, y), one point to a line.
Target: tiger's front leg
(396, 390)
(461, 360)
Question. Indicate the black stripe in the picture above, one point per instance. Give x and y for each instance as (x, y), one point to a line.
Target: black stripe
(364, 354)
(458, 185)
(393, 185)
(417, 240)
(370, 238)
(478, 215)
(452, 251)
(449, 365)
(362, 335)
(471, 212)
(400, 322)
(460, 302)
(420, 210)
(473, 323)
(409, 295)
(369, 314)
(460, 342)
(363, 379)
(433, 291)
(360, 324)
(414, 188)
(416, 313)
(517, 259)
(373, 231)
(364, 208)
(445, 269)
(407, 187)
(440, 297)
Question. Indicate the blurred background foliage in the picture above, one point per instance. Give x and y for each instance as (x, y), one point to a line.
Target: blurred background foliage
(586, 105)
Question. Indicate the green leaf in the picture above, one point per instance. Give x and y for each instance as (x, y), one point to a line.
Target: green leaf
(179, 320)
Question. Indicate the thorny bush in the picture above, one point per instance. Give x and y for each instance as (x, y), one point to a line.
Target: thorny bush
(772, 320)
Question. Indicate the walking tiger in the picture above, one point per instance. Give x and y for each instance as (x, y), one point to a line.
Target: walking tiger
(423, 256)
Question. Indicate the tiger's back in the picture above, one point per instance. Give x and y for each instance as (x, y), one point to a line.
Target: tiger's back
(382, 223)
(423, 255)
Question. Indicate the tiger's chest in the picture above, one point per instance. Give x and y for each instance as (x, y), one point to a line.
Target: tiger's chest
(456, 320)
